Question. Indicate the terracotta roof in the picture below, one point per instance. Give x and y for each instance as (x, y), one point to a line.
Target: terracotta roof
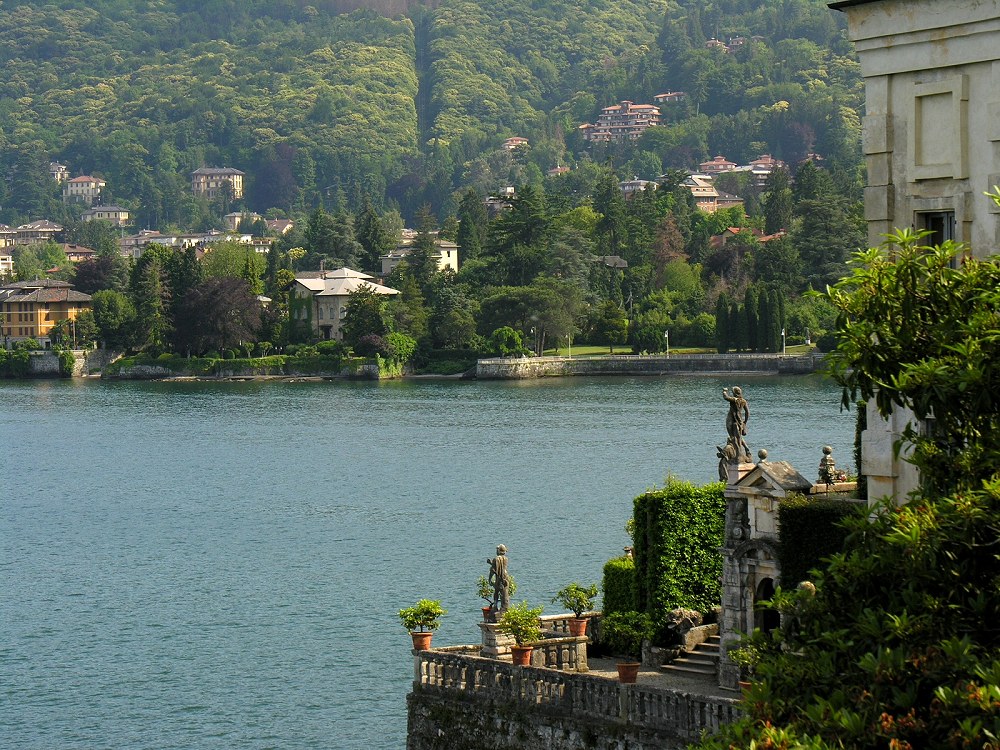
(36, 284)
(50, 295)
(216, 171)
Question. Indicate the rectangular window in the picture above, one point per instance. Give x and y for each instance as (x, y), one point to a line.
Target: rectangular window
(940, 223)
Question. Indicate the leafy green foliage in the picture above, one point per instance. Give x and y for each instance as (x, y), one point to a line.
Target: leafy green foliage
(619, 585)
(425, 615)
(811, 530)
(576, 598)
(521, 622)
(624, 632)
(896, 648)
(934, 327)
(897, 645)
(678, 532)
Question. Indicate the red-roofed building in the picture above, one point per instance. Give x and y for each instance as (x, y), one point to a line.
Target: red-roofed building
(83, 189)
(31, 308)
(621, 122)
(718, 165)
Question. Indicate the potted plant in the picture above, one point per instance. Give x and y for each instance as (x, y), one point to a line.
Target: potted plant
(746, 656)
(485, 591)
(521, 622)
(422, 619)
(578, 599)
(623, 633)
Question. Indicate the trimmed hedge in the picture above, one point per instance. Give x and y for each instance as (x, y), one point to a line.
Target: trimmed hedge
(678, 532)
(619, 585)
(810, 531)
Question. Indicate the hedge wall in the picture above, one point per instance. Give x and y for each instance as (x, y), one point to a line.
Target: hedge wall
(619, 585)
(810, 530)
(678, 532)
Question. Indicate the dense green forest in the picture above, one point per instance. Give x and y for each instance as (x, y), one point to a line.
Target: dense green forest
(320, 107)
(357, 120)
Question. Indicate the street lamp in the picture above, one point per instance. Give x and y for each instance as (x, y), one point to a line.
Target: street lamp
(666, 338)
(782, 341)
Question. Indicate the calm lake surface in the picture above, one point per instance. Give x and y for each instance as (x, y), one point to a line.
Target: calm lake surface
(219, 565)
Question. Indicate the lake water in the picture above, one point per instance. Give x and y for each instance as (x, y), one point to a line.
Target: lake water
(219, 565)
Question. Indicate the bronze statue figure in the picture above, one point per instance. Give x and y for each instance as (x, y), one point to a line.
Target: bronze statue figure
(736, 421)
(500, 579)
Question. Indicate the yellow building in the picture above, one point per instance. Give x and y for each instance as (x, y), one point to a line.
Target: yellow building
(211, 181)
(31, 308)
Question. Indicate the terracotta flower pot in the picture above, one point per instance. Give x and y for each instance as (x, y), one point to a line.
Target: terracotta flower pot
(628, 671)
(488, 614)
(577, 626)
(421, 641)
(521, 655)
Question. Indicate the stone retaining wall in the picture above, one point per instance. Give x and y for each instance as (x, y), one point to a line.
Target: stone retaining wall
(513, 368)
(463, 701)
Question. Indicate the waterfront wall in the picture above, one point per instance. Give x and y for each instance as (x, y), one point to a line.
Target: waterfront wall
(460, 701)
(514, 368)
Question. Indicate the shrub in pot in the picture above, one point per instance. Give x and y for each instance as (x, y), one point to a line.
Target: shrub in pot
(422, 619)
(624, 633)
(485, 590)
(521, 623)
(578, 599)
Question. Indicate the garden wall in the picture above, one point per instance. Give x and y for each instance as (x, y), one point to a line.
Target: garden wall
(513, 368)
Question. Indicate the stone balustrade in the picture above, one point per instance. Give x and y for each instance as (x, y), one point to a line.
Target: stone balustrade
(458, 673)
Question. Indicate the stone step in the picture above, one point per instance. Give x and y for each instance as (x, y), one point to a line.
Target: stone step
(696, 658)
(706, 648)
(678, 666)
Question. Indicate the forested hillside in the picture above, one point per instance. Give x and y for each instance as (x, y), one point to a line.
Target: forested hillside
(355, 121)
(404, 103)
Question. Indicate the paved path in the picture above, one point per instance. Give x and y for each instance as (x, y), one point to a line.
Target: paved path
(706, 685)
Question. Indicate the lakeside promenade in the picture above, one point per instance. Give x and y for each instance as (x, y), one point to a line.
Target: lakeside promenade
(515, 368)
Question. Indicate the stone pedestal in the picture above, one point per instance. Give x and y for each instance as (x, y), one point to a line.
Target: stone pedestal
(495, 645)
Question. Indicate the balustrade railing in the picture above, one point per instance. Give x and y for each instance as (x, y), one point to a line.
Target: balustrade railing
(458, 669)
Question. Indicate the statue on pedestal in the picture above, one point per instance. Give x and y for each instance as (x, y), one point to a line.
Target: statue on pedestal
(736, 422)
(500, 579)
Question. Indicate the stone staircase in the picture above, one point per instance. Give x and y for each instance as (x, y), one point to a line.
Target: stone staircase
(702, 660)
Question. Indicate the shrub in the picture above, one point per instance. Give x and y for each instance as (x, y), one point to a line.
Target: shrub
(325, 348)
(371, 345)
(576, 598)
(619, 585)
(810, 530)
(624, 632)
(422, 616)
(401, 346)
(521, 622)
(678, 532)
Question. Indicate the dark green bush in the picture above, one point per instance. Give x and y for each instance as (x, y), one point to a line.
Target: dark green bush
(811, 530)
(678, 532)
(327, 348)
(14, 364)
(619, 585)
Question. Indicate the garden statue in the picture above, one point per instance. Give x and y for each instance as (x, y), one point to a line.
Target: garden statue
(827, 467)
(726, 454)
(500, 579)
(736, 422)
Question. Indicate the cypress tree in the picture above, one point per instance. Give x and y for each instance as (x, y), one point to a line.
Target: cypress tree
(751, 311)
(722, 333)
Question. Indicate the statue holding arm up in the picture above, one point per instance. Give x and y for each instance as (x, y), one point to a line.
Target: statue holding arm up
(736, 421)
